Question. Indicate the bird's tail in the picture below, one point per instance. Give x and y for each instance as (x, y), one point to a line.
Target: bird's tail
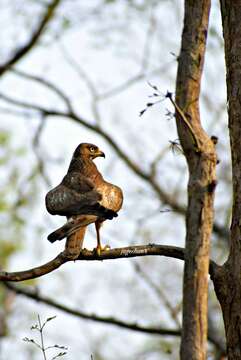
(70, 227)
(62, 232)
(77, 222)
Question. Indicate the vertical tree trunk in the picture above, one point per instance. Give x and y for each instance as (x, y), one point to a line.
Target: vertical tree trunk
(201, 158)
(227, 280)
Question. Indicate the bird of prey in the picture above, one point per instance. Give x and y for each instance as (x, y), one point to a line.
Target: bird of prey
(84, 197)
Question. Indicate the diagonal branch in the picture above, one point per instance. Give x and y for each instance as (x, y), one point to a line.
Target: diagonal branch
(159, 292)
(118, 253)
(182, 117)
(24, 50)
(132, 81)
(147, 177)
(92, 317)
(48, 84)
(107, 320)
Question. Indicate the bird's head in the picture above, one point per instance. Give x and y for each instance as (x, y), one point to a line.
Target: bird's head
(89, 151)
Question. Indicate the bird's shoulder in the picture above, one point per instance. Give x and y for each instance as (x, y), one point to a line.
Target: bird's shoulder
(78, 182)
(112, 195)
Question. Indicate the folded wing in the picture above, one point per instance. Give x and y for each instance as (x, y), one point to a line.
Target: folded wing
(76, 195)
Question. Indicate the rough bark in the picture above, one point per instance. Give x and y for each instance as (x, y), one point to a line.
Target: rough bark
(227, 279)
(201, 158)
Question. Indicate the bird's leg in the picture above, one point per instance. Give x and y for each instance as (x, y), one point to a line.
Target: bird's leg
(99, 247)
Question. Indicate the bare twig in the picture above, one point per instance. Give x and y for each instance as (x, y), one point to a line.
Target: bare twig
(149, 39)
(184, 119)
(159, 292)
(84, 76)
(39, 327)
(48, 84)
(41, 337)
(24, 50)
(26, 105)
(40, 160)
(79, 71)
(156, 161)
(132, 81)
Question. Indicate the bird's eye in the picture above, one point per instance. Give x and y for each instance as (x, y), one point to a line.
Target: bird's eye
(92, 149)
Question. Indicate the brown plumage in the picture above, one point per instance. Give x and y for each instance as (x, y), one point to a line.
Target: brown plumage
(84, 197)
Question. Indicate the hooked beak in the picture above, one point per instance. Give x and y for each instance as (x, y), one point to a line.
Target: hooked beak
(101, 154)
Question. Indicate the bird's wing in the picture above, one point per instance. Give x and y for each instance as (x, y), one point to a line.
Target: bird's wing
(76, 195)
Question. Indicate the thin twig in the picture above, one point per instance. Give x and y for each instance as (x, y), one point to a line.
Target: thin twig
(48, 84)
(41, 337)
(149, 39)
(160, 294)
(84, 76)
(132, 81)
(24, 50)
(184, 119)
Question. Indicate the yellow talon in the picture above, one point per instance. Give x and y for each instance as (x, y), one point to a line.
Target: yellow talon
(101, 248)
(98, 250)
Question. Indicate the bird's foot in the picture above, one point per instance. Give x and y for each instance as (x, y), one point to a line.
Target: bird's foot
(100, 248)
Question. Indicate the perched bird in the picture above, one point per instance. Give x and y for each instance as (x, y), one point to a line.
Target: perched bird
(84, 197)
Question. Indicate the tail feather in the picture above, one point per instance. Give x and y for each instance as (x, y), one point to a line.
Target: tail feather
(71, 227)
(61, 232)
(77, 222)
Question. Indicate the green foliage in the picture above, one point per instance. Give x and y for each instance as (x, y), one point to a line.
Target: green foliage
(157, 346)
(16, 194)
(18, 190)
(4, 138)
(10, 200)
(7, 249)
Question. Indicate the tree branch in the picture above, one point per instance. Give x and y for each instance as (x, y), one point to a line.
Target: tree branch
(35, 272)
(160, 293)
(164, 197)
(92, 317)
(119, 253)
(24, 50)
(107, 320)
(48, 84)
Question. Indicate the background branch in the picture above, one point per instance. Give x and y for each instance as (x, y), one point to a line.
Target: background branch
(164, 197)
(93, 317)
(24, 50)
(107, 320)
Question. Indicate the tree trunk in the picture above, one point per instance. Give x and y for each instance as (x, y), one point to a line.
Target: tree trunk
(227, 280)
(201, 158)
